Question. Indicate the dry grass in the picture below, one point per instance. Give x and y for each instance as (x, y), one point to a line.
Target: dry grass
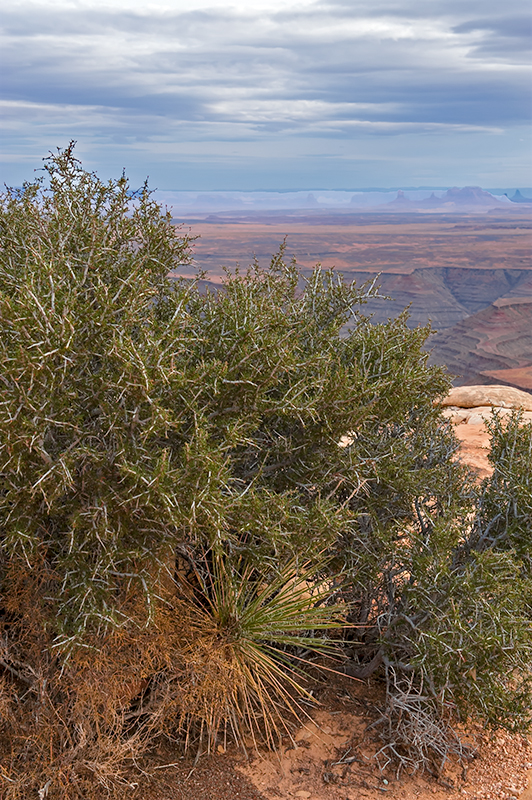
(200, 672)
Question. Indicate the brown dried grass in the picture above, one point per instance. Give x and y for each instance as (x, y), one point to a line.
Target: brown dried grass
(74, 725)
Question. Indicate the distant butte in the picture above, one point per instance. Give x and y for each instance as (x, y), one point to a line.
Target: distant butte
(470, 197)
(518, 198)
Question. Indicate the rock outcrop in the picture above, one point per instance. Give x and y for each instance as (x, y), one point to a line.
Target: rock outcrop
(469, 407)
(494, 396)
(472, 197)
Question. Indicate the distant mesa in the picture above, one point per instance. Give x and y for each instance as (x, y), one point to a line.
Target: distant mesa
(433, 201)
(468, 196)
(401, 200)
(412, 199)
(371, 199)
(518, 198)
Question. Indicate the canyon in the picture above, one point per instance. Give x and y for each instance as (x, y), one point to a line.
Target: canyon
(469, 274)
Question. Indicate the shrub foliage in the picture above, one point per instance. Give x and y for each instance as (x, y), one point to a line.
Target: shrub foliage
(179, 524)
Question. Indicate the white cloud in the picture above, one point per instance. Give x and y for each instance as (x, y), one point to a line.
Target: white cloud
(123, 73)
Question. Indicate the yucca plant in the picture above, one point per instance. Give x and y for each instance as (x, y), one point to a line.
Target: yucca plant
(246, 648)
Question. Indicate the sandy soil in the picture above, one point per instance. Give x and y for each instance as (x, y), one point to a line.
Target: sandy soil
(332, 762)
(475, 447)
(332, 757)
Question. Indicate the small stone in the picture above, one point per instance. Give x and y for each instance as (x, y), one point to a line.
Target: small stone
(302, 793)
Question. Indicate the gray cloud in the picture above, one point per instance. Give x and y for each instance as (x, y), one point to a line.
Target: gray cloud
(266, 76)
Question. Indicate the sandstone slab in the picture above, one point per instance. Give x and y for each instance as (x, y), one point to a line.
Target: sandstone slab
(501, 396)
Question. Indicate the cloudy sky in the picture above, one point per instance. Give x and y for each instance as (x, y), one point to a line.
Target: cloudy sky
(271, 94)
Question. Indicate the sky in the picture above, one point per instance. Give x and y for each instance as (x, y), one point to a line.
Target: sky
(278, 95)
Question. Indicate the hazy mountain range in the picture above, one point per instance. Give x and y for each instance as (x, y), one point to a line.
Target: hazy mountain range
(470, 197)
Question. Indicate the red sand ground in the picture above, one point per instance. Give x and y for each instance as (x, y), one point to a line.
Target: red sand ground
(308, 768)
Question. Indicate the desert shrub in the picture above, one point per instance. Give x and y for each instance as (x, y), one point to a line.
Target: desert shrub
(441, 581)
(87, 488)
(179, 526)
(505, 514)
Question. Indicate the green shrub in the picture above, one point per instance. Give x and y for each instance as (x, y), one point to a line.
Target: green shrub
(87, 486)
(505, 515)
(167, 454)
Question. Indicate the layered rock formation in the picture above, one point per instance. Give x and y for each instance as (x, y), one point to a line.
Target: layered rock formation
(446, 295)
(470, 274)
(495, 343)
